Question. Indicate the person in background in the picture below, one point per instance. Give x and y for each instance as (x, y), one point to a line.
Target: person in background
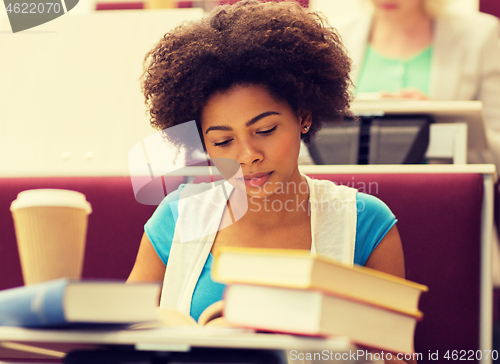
(417, 49)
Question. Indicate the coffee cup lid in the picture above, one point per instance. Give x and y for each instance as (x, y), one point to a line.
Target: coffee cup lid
(51, 197)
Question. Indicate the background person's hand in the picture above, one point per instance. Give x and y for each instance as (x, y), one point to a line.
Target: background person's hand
(407, 93)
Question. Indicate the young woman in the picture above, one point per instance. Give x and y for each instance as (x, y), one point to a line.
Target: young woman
(257, 78)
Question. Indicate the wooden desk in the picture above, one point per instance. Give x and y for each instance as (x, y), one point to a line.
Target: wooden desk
(458, 133)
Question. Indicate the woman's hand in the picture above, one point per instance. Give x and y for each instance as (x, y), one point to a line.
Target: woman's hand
(406, 93)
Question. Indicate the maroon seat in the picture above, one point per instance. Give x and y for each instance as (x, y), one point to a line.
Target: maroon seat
(490, 6)
(439, 217)
(439, 220)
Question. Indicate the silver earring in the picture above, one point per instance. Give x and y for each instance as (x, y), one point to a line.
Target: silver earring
(306, 128)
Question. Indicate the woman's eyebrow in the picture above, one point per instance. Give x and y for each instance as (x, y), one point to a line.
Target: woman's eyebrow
(247, 124)
(260, 116)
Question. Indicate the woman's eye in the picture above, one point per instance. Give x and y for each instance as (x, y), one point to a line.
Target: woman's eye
(222, 144)
(267, 132)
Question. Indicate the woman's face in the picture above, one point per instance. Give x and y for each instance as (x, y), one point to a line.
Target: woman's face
(400, 7)
(247, 124)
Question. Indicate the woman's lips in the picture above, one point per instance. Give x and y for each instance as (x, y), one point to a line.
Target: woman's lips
(388, 6)
(257, 180)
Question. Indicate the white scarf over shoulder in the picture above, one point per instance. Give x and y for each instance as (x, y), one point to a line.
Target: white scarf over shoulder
(201, 210)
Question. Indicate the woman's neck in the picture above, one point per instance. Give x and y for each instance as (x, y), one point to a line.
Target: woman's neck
(401, 37)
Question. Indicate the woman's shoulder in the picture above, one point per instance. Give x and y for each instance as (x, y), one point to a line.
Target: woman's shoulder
(374, 220)
(372, 202)
(474, 23)
(166, 211)
(371, 206)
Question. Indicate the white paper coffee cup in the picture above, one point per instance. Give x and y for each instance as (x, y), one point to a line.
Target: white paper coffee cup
(51, 229)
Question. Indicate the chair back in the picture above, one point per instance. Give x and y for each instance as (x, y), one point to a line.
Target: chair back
(439, 221)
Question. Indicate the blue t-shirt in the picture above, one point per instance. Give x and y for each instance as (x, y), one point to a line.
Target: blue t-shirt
(374, 220)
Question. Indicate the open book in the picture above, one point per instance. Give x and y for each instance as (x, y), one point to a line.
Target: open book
(169, 317)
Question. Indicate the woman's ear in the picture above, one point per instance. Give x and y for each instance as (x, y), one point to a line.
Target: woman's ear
(305, 118)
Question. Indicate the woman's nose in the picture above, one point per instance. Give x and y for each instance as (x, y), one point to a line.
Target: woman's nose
(249, 153)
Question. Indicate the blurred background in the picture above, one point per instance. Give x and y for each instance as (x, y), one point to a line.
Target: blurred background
(70, 98)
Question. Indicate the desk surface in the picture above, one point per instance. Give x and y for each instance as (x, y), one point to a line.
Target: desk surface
(203, 337)
(485, 169)
(469, 112)
(56, 342)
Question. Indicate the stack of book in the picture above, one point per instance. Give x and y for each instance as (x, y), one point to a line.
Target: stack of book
(291, 291)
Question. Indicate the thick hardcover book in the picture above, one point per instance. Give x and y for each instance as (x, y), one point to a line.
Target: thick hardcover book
(299, 269)
(316, 313)
(62, 302)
